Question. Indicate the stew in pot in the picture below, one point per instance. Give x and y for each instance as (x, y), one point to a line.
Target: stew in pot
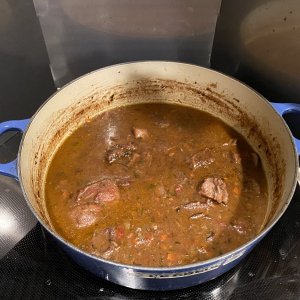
(156, 185)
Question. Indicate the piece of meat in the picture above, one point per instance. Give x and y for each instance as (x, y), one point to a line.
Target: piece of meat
(123, 181)
(200, 216)
(103, 242)
(105, 190)
(140, 133)
(214, 188)
(100, 241)
(197, 205)
(201, 159)
(85, 215)
(119, 151)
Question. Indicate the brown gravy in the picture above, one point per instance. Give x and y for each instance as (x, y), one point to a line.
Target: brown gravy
(156, 185)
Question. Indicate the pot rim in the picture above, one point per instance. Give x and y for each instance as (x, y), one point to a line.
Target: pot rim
(180, 268)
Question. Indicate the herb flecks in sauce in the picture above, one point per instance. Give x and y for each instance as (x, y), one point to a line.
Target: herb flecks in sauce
(159, 185)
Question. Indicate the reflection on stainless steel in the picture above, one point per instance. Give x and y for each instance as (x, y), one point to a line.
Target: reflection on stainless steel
(8, 223)
(216, 293)
(25, 76)
(16, 219)
(270, 46)
(258, 42)
(82, 36)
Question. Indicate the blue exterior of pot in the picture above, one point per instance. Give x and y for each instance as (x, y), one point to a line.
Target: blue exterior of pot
(144, 277)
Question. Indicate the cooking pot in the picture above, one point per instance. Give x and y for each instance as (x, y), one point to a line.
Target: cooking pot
(142, 82)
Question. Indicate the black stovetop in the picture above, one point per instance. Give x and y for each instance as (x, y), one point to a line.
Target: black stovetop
(36, 268)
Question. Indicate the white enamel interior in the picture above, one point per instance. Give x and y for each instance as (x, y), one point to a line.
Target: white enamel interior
(105, 88)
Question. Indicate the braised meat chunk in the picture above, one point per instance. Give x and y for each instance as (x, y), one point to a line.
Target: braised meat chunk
(202, 159)
(103, 242)
(214, 188)
(104, 190)
(85, 215)
(120, 151)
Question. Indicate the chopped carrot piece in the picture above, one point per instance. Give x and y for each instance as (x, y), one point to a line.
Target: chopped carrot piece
(120, 232)
(163, 246)
(236, 190)
(172, 256)
(163, 237)
(148, 236)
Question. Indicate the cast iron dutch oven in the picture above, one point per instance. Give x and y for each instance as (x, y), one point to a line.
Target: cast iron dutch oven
(258, 120)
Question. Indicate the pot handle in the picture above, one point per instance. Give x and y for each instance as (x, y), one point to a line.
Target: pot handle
(10, 169)
(284, 108)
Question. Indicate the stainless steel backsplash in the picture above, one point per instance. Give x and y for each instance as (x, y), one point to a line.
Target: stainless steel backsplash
(82, 36)
(258, 42)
